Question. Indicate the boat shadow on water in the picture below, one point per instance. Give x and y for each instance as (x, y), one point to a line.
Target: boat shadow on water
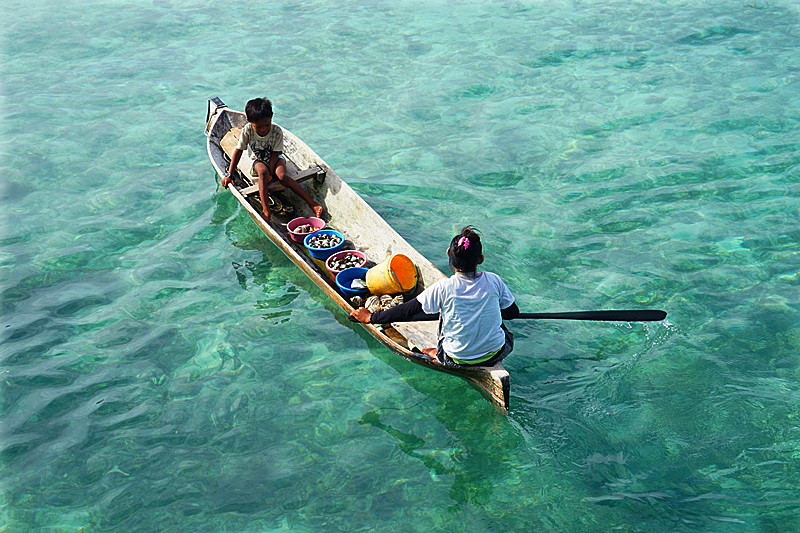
(466, 461)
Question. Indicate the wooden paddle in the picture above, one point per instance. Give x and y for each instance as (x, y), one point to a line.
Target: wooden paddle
(631, 315)
(643, 315)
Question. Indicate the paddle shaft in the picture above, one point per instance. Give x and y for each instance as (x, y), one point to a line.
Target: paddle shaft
(643, 315)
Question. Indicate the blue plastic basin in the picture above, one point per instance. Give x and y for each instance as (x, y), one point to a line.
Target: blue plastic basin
(323, 253)
(346, 277)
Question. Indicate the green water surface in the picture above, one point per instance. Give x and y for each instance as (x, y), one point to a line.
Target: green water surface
(165, 368)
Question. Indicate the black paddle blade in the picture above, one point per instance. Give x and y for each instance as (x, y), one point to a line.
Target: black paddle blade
(641, 315)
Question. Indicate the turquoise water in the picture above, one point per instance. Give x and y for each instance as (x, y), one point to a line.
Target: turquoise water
(165, 368)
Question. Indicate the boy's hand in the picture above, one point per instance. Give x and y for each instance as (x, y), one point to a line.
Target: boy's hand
(226, 181)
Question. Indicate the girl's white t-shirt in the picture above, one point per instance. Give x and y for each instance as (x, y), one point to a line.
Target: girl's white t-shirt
(469, 309)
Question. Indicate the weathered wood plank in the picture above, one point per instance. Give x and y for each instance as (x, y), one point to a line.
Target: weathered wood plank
(299, 177)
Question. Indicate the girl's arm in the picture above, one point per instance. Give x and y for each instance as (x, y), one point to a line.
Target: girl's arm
(510, 312)
(410, 311)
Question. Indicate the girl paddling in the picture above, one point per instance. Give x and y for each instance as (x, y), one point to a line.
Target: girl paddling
(471, 306)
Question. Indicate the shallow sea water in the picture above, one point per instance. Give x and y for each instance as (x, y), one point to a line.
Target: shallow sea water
(165, 368)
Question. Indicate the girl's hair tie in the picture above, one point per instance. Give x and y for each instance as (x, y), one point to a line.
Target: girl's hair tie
(463, 241)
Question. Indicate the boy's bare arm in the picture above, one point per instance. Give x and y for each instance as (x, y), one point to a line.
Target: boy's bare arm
(235, 157)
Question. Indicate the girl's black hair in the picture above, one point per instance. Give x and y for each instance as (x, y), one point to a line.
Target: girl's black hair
(466, 250)
(258, 109)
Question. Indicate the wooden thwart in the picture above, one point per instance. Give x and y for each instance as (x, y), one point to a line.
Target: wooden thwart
(299, 176)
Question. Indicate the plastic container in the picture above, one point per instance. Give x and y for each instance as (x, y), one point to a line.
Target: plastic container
(396, 274)
(323, 253)
(345, 278)
(341, 254)
(299, 221)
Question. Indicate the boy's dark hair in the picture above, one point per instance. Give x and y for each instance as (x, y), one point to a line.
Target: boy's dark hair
(466, 250)
(258, 109)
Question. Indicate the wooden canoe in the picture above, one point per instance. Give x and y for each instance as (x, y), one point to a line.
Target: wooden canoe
(348, 213)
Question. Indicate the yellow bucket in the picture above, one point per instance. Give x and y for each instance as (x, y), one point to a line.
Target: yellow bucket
(396, 274)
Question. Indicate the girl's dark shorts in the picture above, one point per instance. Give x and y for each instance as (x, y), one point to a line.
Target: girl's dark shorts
(507, 347)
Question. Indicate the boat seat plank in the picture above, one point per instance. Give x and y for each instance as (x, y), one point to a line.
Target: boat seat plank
(230, 140)
(419, 334)
(299, 177)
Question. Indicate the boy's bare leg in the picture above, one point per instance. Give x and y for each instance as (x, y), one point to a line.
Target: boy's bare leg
(263, 180)
(280, 173)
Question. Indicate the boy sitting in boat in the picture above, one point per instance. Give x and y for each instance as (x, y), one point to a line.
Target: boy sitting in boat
(263, 141)
(471, 306)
